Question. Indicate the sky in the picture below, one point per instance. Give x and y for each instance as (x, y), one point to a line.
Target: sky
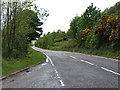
(63, 11)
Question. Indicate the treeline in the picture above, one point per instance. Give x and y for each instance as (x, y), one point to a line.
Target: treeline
(95, 29)
(50, 38)
(20, 21)
(92, 30)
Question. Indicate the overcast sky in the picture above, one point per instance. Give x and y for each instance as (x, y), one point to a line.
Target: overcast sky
(62, 11)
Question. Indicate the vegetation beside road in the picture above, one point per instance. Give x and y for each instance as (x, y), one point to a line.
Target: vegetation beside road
(33, 57)
(94, 32)
(21, 21)
(20, 27)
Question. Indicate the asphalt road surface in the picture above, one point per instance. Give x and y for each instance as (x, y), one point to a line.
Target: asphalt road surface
(68, 70)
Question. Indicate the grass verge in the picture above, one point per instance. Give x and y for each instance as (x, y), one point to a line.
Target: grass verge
(72, 46)
(11, 66)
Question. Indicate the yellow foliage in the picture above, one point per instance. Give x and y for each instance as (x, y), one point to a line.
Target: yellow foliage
(85, 33)
(110, 23)
(100, 28)
(113, 32)
(83, 38)
(110, 37)
(117, 17)
(113, 21)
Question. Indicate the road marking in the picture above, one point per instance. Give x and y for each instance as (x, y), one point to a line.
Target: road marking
(87, 62)
(43, 64)
(49, 59)
(73, 57)
(62, 83)
(110, 71)
(58, 76)
(56, 72)
(84, 54)
(96, 65)
(99, 57)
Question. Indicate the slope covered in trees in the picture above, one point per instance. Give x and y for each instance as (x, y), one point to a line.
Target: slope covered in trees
(49, 39)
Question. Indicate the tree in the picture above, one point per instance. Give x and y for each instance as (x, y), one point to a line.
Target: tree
(86, 22)
(73, 27)
(90, 17)
(114, 10)
(20, 28)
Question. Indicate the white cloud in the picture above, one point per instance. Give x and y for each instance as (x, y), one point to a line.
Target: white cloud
(62, 11)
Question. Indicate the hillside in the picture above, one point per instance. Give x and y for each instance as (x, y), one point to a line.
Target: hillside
(93, 32)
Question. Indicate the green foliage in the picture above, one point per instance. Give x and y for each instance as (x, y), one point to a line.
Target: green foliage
(79, 37)
(114, 10)
(116, 42)
(80, 24)
(48, 40)
(91, 42)
(91, 32)
(90, 17)
(73, 27)
(20, 28)
(63, 45)
(45, 41)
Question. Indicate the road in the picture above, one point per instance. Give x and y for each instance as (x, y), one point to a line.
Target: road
(68, 70)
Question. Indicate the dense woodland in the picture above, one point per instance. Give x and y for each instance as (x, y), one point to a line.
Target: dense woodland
(94, 30)
(20, 21)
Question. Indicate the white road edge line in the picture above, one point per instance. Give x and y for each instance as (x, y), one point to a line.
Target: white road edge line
(73, 57)
(110, 71)
(58, 76)
(49, 59)
(61, 82)
(56, 71)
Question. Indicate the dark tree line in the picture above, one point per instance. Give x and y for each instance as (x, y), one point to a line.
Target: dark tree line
(20, 24)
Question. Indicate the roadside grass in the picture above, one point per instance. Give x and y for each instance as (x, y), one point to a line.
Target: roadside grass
(63, 45)
(33, 57)
(105, 52)
(71, 45)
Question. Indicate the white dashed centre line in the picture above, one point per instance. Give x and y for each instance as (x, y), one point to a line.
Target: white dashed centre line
(73, 57)
(110, 71)
(87, 62)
